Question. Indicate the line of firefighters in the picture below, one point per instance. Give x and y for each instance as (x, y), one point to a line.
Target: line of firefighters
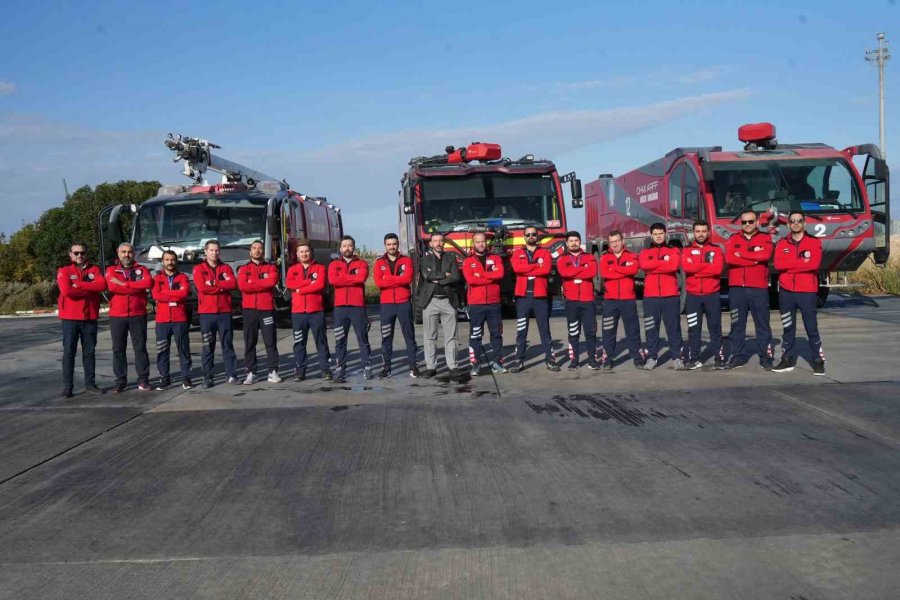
(796, 257)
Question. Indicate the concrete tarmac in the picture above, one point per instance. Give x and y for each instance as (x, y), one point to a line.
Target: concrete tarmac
(631, 484)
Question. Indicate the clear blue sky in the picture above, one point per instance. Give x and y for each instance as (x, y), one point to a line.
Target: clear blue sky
(337, 96)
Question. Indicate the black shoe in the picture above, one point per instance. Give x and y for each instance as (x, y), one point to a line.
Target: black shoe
(66, 393)
(163, 385)
(786, 364)
(429, 373)
(93, 389)
(414, 372)
(119, 388)
(458, 376)
(593, 365)
(186, 383)
(734, 363)
(766, 364)
(719, 363)
(606, 366)
(207, 382)
(367, 372)
(640, 363)
(818, 367)
(515, 366)
(298, 377)
(552, 366)
(572, 366)
(692, 365)
(339, 375)
(385, 373)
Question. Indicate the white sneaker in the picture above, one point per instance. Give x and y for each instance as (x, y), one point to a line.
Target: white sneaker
(250, 379)
(273, 377)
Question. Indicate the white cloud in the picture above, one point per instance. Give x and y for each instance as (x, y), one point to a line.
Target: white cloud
(647, 80)
(7, 88)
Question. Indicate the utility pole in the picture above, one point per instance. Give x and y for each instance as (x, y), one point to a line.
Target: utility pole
(878, 57)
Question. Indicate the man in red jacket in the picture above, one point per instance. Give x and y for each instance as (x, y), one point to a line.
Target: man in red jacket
(483, 272)
(747, 255)
(798, 257)
(128, 284)
(577, 270)
(80, 284)
(170, 290)
(348, 276)
(215, 281)
(532, 264)
(618, 267)
(306, 281)
(662, 298)
(257, 280)
(702, 263)
(393, 276)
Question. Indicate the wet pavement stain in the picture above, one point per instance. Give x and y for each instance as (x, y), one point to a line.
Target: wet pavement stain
(603, 408)
(338, 408)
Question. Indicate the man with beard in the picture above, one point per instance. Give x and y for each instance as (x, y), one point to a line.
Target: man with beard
(702, 263)
(215, 281)
(306, 280)
(348, 276)
(170, 290)
(393, 276)
(483, 273)
(532, 264)
(128, 283)
(257, 280)
(436, 297)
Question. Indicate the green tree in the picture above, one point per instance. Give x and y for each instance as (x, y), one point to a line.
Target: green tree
(18, 258)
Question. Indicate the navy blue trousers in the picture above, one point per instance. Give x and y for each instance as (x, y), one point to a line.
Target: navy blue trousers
(254, 322)
(390, 314)
(666, 311)
(581, 315)
(627, 310)
(479, 314)
(304, 324)
(540, 308)
(212, 325)
(711, 306)
(805, 302)
(72, 333)
(120, 328)
(344, 317)
(165, 332)
(755, 301)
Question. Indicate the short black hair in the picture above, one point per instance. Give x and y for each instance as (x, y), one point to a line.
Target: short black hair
(391, 236)
(574, 234)
(172, 252)
(348, 237)
(78, 243)
(751, 211)
(657, 226)
(797, 212)
(701, 223)
(614, 233)
(260, 242)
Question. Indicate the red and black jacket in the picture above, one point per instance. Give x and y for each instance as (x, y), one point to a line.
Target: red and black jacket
(798, 262)
(130, 299)
(79, 292)
(257, 284)
(394, 278)
(214, 286)
(349, 281)
(577, 272)
(660, 265)
(618, 274)
(702, 265)
(307, 287)
(532, 271)
(170, 294)
(751, 268)
(483, 274)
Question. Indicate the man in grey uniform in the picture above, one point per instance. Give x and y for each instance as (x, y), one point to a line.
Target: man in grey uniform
(436, 296)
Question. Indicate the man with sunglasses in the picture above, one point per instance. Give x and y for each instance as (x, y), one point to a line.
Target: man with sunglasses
(797, 259)
(531, 264)
(747, 255)
(80, 284)
(128, 284)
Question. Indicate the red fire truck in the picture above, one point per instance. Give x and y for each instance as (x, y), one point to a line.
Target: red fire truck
(473, 189)
(246, 206)
(844, 194)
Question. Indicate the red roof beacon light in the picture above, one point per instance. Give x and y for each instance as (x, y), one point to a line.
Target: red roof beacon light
(474, 151)
(757, 136)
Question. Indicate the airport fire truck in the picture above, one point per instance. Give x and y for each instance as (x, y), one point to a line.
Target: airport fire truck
(844, 194)
(245, 206)
(473, 189)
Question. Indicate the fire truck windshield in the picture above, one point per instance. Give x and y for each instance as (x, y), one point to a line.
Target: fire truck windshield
(190, 223)
(812, 185)
(449, 203)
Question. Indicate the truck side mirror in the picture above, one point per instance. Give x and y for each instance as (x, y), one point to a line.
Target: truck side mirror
(576, 189)
(881, 169)
(408, 198)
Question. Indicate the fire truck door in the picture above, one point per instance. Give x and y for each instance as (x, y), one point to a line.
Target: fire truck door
(876, 178)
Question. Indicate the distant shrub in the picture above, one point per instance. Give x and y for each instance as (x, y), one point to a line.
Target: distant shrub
(27, 296)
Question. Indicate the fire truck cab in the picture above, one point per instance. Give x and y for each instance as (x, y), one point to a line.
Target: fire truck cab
(473, 189)
(844, 194)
